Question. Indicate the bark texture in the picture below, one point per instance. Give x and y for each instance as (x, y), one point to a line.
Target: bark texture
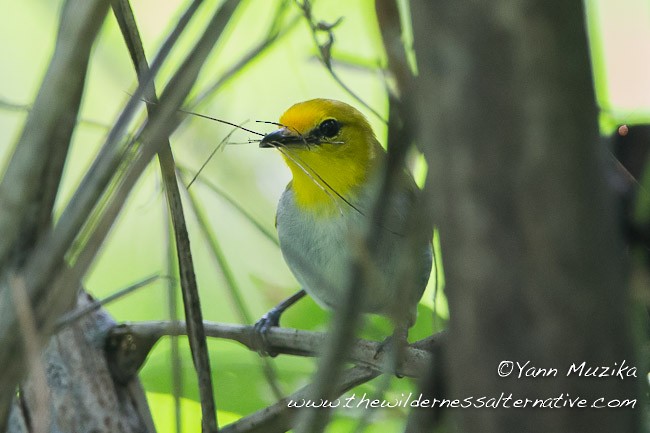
(532, 252)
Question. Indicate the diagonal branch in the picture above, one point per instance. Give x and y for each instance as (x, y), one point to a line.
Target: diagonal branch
(28, 189)
(41, 150)
(325, 51)
(191, 299)
(275, 32)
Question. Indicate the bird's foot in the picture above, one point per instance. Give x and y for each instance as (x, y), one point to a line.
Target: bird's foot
(392, 350)
(261, 330)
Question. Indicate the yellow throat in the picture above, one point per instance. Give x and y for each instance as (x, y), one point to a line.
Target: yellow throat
(331, 151)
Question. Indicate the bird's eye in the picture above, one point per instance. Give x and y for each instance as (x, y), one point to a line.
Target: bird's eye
(329, 128)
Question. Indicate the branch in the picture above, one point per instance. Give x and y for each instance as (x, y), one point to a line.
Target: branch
(370, 354)
(28, 189)
(278, 418)
(77, 385)
(402, 134)
(274, 34)
(26, 197)
(325, 51)
(129, 344)
(517, 171)
(232, 286)
(191, 300)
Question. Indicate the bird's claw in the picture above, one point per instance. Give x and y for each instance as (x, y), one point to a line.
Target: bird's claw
(388, 347)
(385, 346)
(261, 331)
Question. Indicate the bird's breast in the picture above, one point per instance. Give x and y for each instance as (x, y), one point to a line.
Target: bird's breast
(320, 250)
(317, 247)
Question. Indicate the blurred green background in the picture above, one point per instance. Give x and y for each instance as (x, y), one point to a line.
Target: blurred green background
(287, 72)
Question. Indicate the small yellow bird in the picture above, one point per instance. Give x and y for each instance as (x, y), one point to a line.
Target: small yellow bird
(337, 168)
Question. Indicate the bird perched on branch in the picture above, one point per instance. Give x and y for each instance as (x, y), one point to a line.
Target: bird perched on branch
(337, 166)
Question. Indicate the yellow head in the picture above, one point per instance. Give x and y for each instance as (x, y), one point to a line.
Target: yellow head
(329, 147)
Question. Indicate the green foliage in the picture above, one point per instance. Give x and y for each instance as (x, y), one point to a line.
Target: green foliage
(163, 412)
(239, 384)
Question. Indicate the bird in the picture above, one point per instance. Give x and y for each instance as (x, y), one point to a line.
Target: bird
(337, 166)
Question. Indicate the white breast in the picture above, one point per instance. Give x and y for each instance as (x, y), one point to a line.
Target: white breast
(320, 250)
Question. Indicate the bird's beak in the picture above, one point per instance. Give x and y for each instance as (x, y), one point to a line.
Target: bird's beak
(280, 137)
